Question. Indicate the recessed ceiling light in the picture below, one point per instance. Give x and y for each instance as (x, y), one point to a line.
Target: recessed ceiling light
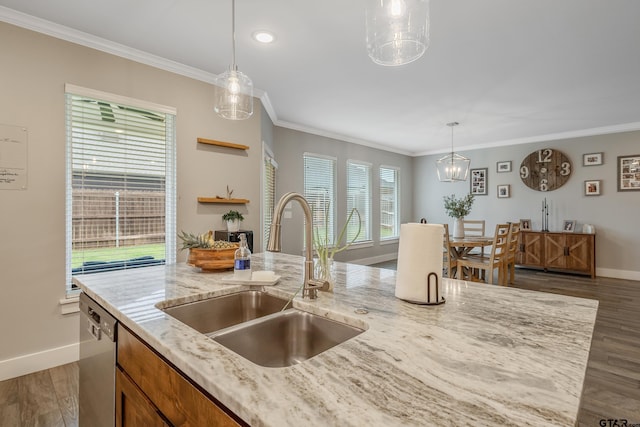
(263, 36)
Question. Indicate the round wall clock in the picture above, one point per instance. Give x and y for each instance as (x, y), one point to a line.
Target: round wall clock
(545, 170)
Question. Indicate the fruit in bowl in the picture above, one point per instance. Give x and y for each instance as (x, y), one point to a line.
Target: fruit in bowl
(207, 253)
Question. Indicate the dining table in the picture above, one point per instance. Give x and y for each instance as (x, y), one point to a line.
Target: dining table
(460, 246)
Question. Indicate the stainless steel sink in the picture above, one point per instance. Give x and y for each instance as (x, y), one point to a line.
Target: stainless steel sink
(286, 338)
(217, 313)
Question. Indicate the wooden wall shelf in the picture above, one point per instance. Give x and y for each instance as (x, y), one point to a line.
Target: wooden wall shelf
(223, 144)
(222, 201)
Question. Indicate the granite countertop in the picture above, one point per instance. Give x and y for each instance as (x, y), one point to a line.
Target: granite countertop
(489, 356)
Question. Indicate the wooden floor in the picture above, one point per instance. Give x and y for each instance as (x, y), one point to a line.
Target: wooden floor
(46, 398)
(611, 388)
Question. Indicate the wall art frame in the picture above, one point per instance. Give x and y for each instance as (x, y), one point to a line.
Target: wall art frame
(592, 187)
(593, 159)
(629, 173)
(504, 166)
(504, 191)
(479, 181)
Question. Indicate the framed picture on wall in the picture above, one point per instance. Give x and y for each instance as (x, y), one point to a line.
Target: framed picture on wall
(504, 191)
(629, 173)
(503, 166)
(478, 182)
(592, 187)
(592, 159)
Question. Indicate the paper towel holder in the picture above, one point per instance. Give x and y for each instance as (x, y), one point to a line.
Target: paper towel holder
(439, 299)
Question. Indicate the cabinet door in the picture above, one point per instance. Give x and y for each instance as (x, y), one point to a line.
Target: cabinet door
(133, 408)
(580, 248)
(530, 249)
(554, 248)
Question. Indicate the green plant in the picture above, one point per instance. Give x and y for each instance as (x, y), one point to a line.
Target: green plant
(458, 208)
(327, 249)
(232, 216)
(203, 241)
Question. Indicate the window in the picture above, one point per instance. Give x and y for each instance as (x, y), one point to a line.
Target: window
(120, 183)
(389, 203)
(359, 197)
(268, 195)
(319, 190)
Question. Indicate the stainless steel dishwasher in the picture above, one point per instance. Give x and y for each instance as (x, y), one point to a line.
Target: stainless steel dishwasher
(97, 365)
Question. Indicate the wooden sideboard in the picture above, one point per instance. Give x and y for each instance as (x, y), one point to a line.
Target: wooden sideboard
(570, 252)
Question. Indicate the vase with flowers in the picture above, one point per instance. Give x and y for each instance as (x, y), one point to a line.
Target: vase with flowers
(458, 208)
(326, 249)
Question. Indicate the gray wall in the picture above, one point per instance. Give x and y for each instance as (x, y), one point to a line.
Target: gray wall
(614, 214)
(290, 145)
(34, 71)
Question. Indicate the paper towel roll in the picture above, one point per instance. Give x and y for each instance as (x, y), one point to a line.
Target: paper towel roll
(419, 254)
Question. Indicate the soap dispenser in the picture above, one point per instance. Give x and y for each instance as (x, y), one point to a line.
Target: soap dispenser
(242, 260)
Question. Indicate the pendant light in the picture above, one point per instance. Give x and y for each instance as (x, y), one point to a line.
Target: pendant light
(397, 30)
(453, 167)
(234, 89)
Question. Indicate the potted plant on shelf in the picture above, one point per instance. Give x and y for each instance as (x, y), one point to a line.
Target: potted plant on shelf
(233, 219)
(458, 209)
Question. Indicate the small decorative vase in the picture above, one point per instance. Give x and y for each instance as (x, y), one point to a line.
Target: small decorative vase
(458, 228)
(324, 271)
(233, 225)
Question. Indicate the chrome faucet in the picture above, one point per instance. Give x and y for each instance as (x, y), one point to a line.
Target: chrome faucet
(274, 244)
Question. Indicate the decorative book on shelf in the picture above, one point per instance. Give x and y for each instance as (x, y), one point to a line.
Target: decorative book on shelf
(222, 200)
(223, 144)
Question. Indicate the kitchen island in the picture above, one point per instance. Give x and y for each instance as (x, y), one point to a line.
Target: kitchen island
(489, 356)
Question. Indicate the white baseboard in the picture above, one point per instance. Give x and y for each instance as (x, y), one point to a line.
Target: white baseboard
(29, 363)
(375, 259)
(618, 274)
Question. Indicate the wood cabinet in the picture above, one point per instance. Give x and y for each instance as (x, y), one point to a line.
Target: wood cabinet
(151, 392)
(571, 252)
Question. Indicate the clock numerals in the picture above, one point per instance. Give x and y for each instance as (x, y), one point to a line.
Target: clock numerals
(545, 170)
(544, 156)
(544, 185)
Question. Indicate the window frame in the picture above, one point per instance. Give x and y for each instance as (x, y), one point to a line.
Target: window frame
(169, 151)
(394, 237)
(366, 217)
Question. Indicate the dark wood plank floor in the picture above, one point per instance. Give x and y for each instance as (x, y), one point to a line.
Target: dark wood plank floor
(46, 398)
(611, 388)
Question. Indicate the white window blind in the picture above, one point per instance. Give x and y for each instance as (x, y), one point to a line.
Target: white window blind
(268, 197)
(120, 185)
(319, 190)
(359, 197)
(389, 203)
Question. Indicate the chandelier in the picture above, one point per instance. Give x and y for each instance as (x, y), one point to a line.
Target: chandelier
(453, 167)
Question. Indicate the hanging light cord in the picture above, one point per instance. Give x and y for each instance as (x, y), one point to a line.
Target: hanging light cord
(233, 35)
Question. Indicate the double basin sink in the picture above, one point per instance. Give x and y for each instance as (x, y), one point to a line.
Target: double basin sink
(263, 328)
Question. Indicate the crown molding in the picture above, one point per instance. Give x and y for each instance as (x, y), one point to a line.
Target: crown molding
(603, 130)
(339, 137)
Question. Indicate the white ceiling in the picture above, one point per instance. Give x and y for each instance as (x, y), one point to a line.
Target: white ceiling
(510, 71)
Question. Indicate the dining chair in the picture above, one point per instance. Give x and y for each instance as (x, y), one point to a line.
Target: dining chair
(474, 227)
(487, 264)
(449, 262)
(509, 268)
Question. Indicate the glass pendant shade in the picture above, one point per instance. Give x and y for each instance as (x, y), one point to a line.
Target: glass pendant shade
(234, 95)
(397, 30)
(453, 167)
(234, 90)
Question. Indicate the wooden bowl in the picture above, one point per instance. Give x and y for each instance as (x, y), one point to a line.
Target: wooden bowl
(211, 259)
